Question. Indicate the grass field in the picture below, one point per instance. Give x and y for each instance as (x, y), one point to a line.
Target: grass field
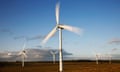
(75, 66)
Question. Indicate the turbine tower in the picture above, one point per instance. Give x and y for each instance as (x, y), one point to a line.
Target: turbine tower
(60, 27)
(53, 54)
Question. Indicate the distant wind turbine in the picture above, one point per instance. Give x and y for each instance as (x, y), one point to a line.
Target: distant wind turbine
(23, 53)
(110, 58)
(23, 56)
(98, 56)
(53, 52)
(110, 55)
(60, 27)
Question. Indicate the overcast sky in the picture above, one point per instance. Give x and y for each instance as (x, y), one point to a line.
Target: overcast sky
(99, 19)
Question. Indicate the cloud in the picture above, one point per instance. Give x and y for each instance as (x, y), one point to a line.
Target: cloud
(32, 55)
(114, 41)
(29, 38)
(114, 49)
(115, 56)
(6, 31)
(19, 37)
(38, 46)
(36, 37)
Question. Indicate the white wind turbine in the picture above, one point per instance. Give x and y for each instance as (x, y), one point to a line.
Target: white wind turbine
(98, 56)
(53, 52)
(110, 55)
(60, 27)
(23, 53)
(109, 58)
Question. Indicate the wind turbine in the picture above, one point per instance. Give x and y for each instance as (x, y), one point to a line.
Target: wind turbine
(110, 58)
(60, 27)
(98, 56)
(23, 54)
(110, 55)
(53, 52)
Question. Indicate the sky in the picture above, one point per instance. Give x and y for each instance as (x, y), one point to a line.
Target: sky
(34, 19)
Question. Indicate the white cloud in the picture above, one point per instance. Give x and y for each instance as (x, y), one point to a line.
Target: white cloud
(114, 41)
(32, 55)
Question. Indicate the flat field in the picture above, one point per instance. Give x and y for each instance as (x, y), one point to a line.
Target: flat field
(68, 67)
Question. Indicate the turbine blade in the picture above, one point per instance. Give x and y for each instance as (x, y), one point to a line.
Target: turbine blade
(72, 29)
(24, 45)
(20, 53)
(57, 12)
(51, 52)
(24, 55)
(49, 35)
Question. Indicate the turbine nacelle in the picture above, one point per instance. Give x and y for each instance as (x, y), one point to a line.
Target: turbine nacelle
(59, 26)
(53, 52)
(9, 54)
(23, 53)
